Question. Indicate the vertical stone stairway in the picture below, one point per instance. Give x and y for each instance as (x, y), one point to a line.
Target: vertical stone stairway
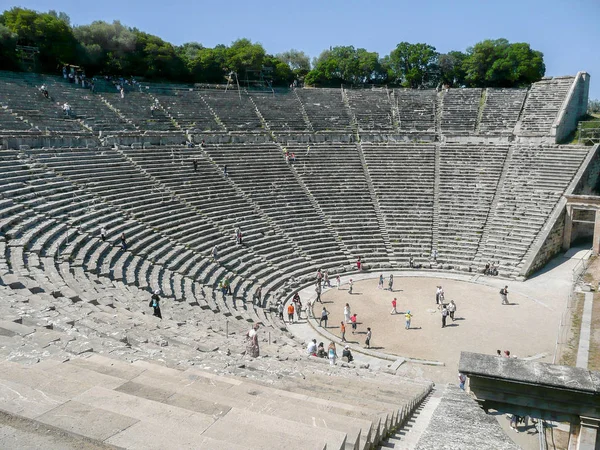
(353, 120)
(482, 104)
(489, 221)
(304, 113)
(315, 204)
(439, 105)
(375, 200)
(395, 111)
(435, 228)
(407, 437)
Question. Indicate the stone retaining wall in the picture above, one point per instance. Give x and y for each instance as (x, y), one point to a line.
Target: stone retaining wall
(551, 246)
(574, 107)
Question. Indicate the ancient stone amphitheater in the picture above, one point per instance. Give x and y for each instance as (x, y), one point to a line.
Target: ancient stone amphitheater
(385, 174)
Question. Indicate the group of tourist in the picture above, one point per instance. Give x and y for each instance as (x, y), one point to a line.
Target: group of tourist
(331, 353)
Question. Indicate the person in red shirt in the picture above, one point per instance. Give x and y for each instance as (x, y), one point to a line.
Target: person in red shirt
(353, 320)
(358, 263)
(394, 307)
(291, 313)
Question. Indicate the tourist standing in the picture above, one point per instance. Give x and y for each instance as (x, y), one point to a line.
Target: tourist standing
(103, 234)
(257, 296)
(353, 321)
(290, 310)
(155, 304)
(438, 295)
(332, 353)
(326, 281)
(380, 285)
(252, 342)
(338, 281)
(451, 309)
(350, 285)
(461, 380)
(318, 291)
(408, 317)
(324, 317)
(368, 339)
(343, 331)
(444, 315)
(394, 303)
(504, 295)
(391, 282)
(347, 313)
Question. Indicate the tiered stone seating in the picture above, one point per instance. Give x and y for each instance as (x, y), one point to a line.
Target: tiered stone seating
(233, 108)
(372, 108)
(281, 110)
(468, 177)
(262, 174)
(37, 232)
(403, 178)
(335, 176)
(86, 106)
(24, 99)
(9, 122)
(501, 110)
(136, 108)
(108, 175)
(535, 180)
(459, 111)
(416, 109)
(188, 110)
(542, 105)
(269, 256)
(325, 109)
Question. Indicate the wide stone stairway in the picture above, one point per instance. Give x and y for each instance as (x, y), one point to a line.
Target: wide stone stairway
(103, 401)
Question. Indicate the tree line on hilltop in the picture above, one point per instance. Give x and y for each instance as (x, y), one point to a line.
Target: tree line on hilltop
(115, 49)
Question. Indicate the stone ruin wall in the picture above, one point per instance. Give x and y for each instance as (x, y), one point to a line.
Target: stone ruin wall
(552, 245)
(574, 108)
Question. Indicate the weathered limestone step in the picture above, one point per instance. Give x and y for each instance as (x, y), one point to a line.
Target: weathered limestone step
(408, 437)
(10, 329)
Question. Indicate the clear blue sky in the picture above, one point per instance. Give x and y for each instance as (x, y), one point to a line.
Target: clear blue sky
(566, 31)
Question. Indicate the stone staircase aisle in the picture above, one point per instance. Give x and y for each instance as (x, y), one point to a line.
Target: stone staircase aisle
(436, 200)
(407, 437)
(489, 224)
(377, 207)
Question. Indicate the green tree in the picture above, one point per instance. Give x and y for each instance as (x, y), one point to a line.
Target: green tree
(209, 65)
(281, 72)
(107, 47)
(414, 65)
(243, 55)
(156, 58)
(345, 64)
(451, 70)
(502, 64)
(298, 61)
(51, 33)
(8, 55)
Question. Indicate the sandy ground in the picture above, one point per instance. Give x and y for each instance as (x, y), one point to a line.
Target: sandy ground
(482, 324)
